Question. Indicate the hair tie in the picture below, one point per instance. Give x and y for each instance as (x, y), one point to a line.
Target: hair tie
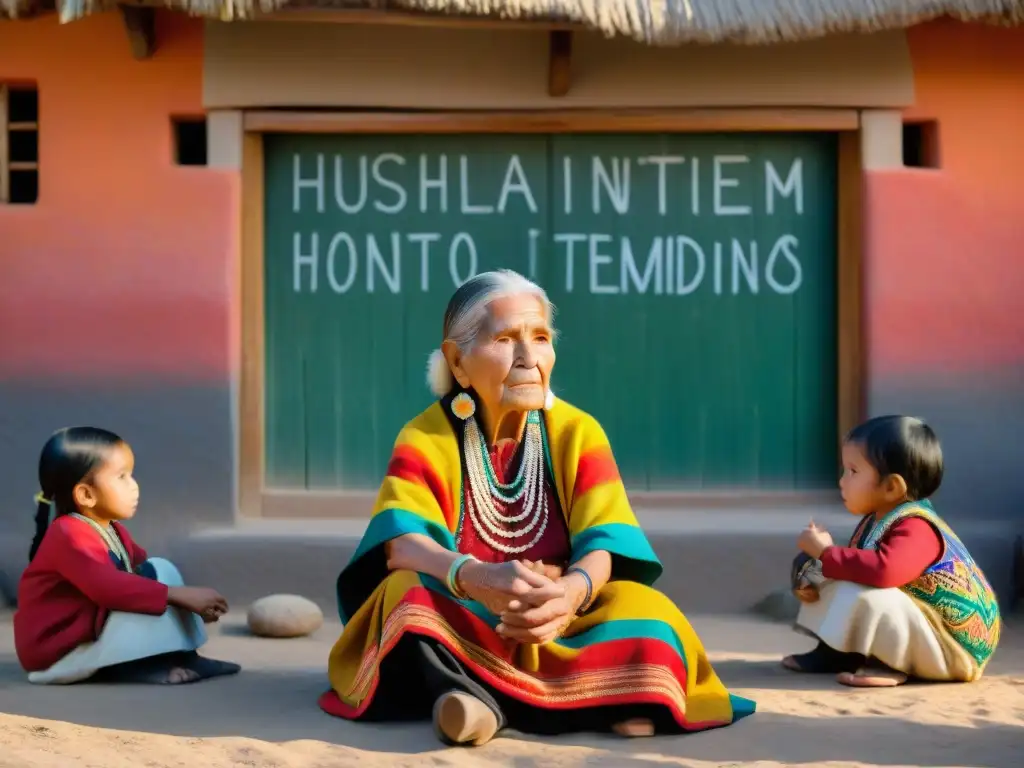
(40, 499)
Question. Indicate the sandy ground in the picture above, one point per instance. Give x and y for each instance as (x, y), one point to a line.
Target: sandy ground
(267, 716)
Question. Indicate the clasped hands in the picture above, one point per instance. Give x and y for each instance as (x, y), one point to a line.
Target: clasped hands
(534, 602)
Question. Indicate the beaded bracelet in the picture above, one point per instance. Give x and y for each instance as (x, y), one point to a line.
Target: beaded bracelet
(590, 589)
(453, 573)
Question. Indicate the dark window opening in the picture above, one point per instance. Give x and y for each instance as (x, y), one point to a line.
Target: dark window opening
(22, 105)
(23, 146)
(24, 187)
(921, 144)
(190, 141)
(19, 148)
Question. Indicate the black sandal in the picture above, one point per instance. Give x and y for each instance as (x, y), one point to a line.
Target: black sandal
(823, 660)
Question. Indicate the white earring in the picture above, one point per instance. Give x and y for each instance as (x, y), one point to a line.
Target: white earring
(549, 400)
(439, 375)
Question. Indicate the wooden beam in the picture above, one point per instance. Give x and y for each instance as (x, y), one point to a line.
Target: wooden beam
(559, 62)
(140, 24)
(251, 424)
(553, 121)
(852, 372)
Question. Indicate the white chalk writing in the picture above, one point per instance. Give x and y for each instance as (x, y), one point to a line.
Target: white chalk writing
(532, 201)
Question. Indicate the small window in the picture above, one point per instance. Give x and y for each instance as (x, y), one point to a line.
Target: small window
(19, 145)
(921, 144)
(190, 140)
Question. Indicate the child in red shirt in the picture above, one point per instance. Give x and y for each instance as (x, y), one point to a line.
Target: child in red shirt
(91, 604)
(905, 598)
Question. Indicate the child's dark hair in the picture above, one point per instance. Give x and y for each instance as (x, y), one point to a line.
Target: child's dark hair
(69, 457)
(904, 446)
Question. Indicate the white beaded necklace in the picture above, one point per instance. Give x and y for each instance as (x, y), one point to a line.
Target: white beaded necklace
(488, 498)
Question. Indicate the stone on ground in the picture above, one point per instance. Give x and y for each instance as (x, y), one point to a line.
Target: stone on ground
(284, 616)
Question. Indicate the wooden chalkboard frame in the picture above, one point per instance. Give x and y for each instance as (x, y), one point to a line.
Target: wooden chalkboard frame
(255, 500)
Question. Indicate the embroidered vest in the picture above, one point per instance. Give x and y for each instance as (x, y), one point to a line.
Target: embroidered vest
(954, 587)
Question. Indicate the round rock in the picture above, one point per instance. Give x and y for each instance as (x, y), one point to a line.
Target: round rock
(284, 616)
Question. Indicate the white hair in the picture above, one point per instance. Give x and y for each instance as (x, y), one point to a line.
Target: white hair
(468, 311)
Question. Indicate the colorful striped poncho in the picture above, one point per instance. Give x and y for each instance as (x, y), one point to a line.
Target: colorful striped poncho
(633, 646)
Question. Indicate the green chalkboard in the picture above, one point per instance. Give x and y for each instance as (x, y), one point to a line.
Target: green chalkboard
(694, 275)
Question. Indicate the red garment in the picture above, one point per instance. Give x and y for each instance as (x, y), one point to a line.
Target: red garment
(906, 551)
(553, 547)
(69, 588)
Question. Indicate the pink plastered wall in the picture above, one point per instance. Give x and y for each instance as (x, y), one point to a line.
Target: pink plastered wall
(133, 258)
(945, 246)
(126, 265)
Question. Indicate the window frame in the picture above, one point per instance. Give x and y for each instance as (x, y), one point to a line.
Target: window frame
(7, 127)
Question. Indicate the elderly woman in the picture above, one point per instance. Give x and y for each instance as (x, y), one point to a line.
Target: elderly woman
(503, 580)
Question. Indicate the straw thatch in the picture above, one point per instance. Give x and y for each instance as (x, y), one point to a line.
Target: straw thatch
(656, 22)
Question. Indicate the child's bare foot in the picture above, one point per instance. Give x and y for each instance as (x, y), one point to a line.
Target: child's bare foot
(203, 668)
(872, 677)
(636, 728)
(175, 676)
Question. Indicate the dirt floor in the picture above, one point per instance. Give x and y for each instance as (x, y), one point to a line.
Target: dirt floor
(267, 716)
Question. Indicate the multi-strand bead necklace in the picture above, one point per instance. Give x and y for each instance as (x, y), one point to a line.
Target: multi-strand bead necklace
(489, 500)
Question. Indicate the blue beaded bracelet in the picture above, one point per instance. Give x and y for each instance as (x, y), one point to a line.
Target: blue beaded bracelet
(590, 590)
(453, 574)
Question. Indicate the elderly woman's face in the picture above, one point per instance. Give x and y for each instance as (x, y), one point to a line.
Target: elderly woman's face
(510, 365)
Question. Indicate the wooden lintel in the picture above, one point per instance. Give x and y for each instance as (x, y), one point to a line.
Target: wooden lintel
(553, 121)
(140, 24)
(559, 62)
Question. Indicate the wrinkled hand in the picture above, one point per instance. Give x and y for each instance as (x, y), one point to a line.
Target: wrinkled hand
(553, 572)
(813, 540)
(538, 624)
(496, 585)
(541, 623)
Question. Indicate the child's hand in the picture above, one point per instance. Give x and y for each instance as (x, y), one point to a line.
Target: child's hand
(207, 603)
(814, 540)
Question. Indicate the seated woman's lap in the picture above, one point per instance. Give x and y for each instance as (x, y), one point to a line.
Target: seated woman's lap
(407, 691)
(401, 682)
(632, 600)
(617, 601)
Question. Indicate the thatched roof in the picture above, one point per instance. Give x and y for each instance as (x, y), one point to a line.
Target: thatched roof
(657, 22)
